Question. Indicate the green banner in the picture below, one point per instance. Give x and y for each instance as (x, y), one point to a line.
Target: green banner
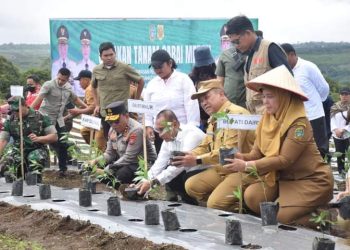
(135, 40)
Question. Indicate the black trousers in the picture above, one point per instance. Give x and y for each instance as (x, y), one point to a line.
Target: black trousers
(178, 186)
(320, 135)
(61, 147)
(106, 127)
(341, 146)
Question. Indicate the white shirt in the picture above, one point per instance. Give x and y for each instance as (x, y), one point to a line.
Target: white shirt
(174, 94)
(188, 137)
(338, 121)
(315, 87)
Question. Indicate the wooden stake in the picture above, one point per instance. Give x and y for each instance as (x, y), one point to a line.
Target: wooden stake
(144, 141)
(92, 133)
(21, 136)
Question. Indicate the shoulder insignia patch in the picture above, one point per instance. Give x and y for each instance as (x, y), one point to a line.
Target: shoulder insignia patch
(132, 138)
(299, 133)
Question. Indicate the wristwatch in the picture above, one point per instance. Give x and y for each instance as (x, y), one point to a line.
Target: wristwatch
(199, 161)
(154, 183)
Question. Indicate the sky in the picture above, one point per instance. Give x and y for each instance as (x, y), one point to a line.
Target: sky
(293, 21)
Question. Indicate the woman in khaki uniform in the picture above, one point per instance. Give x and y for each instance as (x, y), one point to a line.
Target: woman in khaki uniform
(285, 152)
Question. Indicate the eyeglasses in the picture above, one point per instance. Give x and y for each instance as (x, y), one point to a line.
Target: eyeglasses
(344, 93)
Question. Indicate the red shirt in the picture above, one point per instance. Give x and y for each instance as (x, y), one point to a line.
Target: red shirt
(31, 97)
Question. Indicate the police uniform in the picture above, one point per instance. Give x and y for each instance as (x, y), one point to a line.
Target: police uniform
(215, 185)
(36, 123)
(63, 36)
(123, 149)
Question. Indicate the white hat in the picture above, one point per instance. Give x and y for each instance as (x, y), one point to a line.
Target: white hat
(279, 77)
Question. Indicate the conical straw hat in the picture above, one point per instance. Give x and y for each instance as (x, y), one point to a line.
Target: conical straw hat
(278, 77)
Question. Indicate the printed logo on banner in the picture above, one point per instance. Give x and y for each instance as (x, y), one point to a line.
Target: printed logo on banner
(160, 31)
(152, 32)
(138, 106)
(245, 122)
(90, 122)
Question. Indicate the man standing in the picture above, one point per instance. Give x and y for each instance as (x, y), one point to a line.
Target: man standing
(229, 70)
(176, 137)
(315, 87)
(86, 63)
(263, 55)
(55, 95)
(125, 144)
(215, 184)
(111, 82)
(84, 79)
(33, 89)
(37, 132)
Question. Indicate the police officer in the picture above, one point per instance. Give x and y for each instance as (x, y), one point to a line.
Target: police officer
(37, 132)
(125, 144)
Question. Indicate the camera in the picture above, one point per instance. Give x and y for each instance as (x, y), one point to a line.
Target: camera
(239, 60)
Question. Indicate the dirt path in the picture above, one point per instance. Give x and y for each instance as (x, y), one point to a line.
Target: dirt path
(53, 231)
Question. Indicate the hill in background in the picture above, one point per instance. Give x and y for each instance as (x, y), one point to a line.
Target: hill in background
(332, 58)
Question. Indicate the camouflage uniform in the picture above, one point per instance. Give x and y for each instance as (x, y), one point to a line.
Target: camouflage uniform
(36, 155)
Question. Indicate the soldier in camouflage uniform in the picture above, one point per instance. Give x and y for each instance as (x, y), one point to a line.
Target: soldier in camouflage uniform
(37, 132)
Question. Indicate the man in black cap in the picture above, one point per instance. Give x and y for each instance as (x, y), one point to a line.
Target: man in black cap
(125, 144)
(63, 61)
(84, 79)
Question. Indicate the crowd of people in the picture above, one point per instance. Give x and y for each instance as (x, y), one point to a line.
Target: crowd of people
(288, 150)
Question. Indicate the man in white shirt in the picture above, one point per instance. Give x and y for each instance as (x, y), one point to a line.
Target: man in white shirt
(177, 139)
(312, 82)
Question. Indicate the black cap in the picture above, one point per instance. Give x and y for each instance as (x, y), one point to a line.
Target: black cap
(158, 58)
(114, 109)
(85, 34)
(345, 90)
(83, 73)
(62, 33)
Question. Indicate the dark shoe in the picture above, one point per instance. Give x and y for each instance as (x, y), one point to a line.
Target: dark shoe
(62, 174)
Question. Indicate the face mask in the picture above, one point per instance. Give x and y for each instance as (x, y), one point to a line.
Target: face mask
(30, 88)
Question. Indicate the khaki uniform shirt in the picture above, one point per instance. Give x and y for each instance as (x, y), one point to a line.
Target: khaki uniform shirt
(55, 99)
(304, 178)
(208, 150)
(124, 149)
(113, 84)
